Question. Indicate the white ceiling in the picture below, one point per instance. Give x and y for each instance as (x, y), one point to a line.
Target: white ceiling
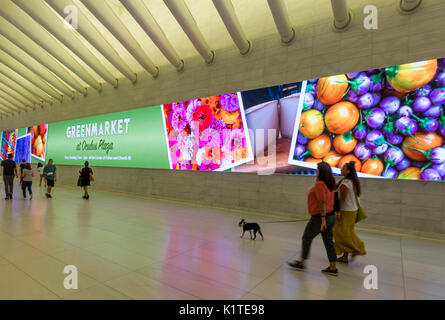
(42, 61)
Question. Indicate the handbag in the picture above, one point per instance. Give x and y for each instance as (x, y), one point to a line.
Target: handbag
(361, 215)
(91, 177)
(79, 181)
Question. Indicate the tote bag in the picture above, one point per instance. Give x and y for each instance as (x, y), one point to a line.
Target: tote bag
(361, 215)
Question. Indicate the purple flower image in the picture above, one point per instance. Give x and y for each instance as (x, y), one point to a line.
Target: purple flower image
(229, 102)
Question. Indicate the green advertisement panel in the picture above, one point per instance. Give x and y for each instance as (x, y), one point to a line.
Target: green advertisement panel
(133, 138)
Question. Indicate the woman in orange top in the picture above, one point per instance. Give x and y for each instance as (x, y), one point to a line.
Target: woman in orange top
(320, 202)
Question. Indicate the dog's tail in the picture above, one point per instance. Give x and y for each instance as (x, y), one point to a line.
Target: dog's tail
(261, 234)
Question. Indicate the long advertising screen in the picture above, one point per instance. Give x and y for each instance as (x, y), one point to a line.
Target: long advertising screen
(389, 121)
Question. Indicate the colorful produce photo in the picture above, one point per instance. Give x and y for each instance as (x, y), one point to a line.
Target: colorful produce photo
(389, 121)
(207, 134)
(8, 143)
(39, 137)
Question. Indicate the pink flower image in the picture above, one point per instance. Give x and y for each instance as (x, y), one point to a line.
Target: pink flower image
(202, 139)
(229, 102)
(178, 119)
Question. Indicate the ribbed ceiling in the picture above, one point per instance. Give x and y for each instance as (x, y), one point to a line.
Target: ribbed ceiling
(43, 61)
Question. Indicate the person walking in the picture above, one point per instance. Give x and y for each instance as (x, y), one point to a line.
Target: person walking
(39, 171)
(27, 175)
(346, 240)
(86, 176)
(321, 209)
(9, 171)
(22, 166)
(49, 171)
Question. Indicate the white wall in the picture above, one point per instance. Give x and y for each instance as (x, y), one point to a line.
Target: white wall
(414, 207)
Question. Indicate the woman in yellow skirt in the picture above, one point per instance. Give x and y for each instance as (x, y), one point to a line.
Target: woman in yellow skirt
(346, 241)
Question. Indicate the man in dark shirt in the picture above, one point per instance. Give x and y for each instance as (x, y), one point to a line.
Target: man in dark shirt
(9, 170)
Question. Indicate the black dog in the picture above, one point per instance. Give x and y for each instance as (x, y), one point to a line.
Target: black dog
(249, 227)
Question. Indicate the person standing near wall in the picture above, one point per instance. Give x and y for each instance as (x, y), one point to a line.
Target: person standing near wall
(27, 175)
(321, 208)
(9, 170)
(49, 171)
(39, 171)
(346, 240)
(86, 176)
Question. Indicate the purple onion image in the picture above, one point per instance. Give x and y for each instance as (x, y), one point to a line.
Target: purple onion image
(433, 112)
(308, 100)
(421, 104)
(361, 84)
(393, 156)
(424, 91)
(374, 139)
(377, 82)
(394, 138)
(440, 168)
(390, 104)
(402, 165)
(352, 75)
(366, 101)
(437, 155)
(299, 151)
(352, 96)
(390, 173)
(380, 149)
(440, 79)
(375, 118)
(302, 139)
(360, 131)
(405, 111)
(429, 125)
(377, 97)
(406, 126)
(362, 152)
(437, 96)
(430, 174)
(318, 105)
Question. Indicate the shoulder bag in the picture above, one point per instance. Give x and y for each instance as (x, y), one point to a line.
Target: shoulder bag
(361, 215)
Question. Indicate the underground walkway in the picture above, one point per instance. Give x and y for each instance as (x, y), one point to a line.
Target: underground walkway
(132, 248)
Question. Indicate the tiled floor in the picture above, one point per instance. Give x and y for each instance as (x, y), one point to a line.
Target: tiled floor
(132, 248)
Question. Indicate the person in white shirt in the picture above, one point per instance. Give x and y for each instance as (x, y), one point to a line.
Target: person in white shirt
(346, 240)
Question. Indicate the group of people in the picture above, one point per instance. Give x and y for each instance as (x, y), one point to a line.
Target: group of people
(336, 226)
(26, 175)
(49, 176)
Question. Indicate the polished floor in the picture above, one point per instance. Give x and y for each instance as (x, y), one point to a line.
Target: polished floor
(132, 248)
